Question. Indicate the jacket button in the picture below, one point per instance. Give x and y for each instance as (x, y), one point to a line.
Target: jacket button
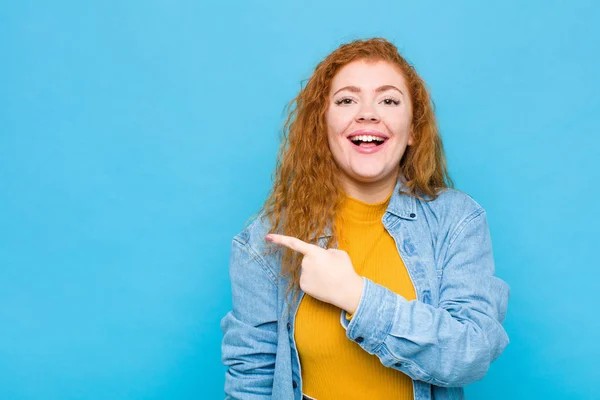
(294, 384)
(289, 326)
(398, 365)
(359, 339)
(412, 215)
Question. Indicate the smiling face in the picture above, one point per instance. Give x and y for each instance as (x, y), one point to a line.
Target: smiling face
(368, 119)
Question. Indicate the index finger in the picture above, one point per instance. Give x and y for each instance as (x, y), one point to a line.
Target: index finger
(292, 242)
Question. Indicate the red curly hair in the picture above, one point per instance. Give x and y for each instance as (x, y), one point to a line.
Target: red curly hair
(306, 194)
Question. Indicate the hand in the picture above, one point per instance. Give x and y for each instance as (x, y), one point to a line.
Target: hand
(327, 275)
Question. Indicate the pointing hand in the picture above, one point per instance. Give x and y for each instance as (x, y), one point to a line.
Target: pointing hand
(327, 275)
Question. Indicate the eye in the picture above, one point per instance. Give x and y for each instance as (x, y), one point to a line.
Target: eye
(344, 100)
(390, 100)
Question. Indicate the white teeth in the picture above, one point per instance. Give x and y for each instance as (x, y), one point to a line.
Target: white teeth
(367, 138)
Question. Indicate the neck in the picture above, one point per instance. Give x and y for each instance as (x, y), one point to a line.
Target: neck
(369, 192)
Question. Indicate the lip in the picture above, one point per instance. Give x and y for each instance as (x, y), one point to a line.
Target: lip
(371, 132)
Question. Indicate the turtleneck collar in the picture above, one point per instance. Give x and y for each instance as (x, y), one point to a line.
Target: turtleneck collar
(355, 210)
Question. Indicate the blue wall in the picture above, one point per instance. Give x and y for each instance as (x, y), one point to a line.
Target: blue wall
(137, 137)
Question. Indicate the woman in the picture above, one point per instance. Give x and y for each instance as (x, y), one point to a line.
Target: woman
(365, 275)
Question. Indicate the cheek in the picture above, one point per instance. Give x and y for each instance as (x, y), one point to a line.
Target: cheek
(399, 124)
(398, 119)
(334, 141)
(334, 135)
(338, 120)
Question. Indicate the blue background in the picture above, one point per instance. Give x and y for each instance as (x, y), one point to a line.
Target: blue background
(136, 138)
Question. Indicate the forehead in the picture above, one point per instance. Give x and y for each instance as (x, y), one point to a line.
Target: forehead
(368, 75)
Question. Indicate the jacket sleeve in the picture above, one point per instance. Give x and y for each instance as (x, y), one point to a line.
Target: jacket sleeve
(451, 345)
(250, 329)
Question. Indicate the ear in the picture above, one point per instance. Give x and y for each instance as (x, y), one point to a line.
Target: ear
(411, 139)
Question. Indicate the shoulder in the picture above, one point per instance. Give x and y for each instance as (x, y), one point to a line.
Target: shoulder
(252, 239)
(254, 231)
(452, 202)
(449, 213)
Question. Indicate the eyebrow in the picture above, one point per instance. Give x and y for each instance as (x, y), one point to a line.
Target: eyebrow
(380, 89)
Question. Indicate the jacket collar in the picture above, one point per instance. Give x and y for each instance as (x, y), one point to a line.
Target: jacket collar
(401, 205)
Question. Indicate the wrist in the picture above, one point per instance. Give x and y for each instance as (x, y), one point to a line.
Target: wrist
(353, 295)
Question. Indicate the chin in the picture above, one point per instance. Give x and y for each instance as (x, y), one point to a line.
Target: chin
(368, 177)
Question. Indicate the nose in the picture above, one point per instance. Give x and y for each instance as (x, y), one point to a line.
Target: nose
(367, 113)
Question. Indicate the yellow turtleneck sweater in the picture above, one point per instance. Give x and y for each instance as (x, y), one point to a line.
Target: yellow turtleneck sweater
(334, 367)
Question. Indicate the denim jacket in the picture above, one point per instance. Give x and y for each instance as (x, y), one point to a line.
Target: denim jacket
(443, 340)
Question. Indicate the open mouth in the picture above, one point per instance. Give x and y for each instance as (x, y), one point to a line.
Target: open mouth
(366, 143)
